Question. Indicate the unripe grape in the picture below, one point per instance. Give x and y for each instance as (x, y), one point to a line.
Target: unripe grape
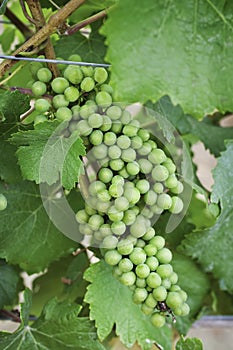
(116, 190)
(107, 88)
(105, 175)
(153, 280)
(123, 141)
(144, 134)
(132, 168)
(150, 301)
(125, 247)
(40, 118)
(75, 57)
(109, 242)
(142, 270)
(140, 282)
(100, 151)
(164, 201)
(121, 203)
(150, 250)
(139, 295)
(82, 217)
(169, 165)
(128, 155)
(112, 257)
(140, 243)
(158, 320)
(157, 156)
(85, 230)
(59, 85)
(145, 166)
(213, 208)
(86, 110)
(114, 152)
(96, 137)
(149, 234)
(171, 181)
(173, 278)
(34, 67)
(87, 84)
(174, 300)
(133, 195)
(71, 94)
(100, 75)
(42, 105)
(152, 262)
(130, 130)
(88, 71)
(116, 126)
(164, 256)
(95, 120)
(44, 75)
(138, 256)
(114, 214)
(160, 173)
(175, 288)
(95, 187)
(114, 112)
(117, 272)
(166, 283)
(160, 293)
(118, 228)
(158, 241)
(150, 197)
(60, 101)
(73, 74)
(39, 88)
(178, 189)
(128, 278)
(145, 149)
(143, 186)
(116, 164)
(125, 265)
(126, 117)
(164, 270)
(129, 217)
(185, 309)
(3, 202)
(107, 123)
(95, 221)
(110, 138)
(177, 205)
(103, 99)
(63, 113)
(158, 187)
(105, 230)
(146, 309)
(136, 142)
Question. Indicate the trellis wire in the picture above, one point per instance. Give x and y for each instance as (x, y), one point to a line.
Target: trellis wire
(34, 59)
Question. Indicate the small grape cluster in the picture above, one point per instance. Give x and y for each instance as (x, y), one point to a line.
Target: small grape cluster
(132, 181)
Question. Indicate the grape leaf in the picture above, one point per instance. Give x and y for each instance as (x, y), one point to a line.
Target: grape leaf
(91, 49)
(213, 247)
(189, 344)
(45, 154)
(9, 279)
(12, 105)
(176, 48)
(131, 324)
(58, 327)
(27, 235)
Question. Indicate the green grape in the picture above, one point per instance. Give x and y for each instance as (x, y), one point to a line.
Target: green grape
(112, 257)
(177, 205)
(110, 242)
(164, 270)
(84, 128)
(85, 230)
(164, 201)
(86, 110)
(150, 250)
(213, 208)
(105, 175)
(115, 215)
(44, 75)
(137, 256)
(117, 272)
(73, 74)
(82, 217)
(143, 186)
(63, 113)
(132, 168)
(139, 295)
(71, 93)
(145, 166)
(133, 195)
(114, 112)
(95, 120)
(42, 105)
(103, 196)
(160, 293)
(136, 142)
(89, 210)
(150, 197)
(125, 265)
(116, 126)
(103, 99)
(118, 228)
(3, 202)
(96, 137)
(107, 88)
(152, 143)
(169, 165)
(140, 282)
(129, 217)
(158, 320)
(178, 189)
(166, 283)
(173, 278)
(116, 164)
(154, 280)
(125, 117)
(60, 101)
(123, 141)
(158, 241)
(34, 67)
(185, 309)
(95, 221)
(128, 278)
(183, 295)
(75, 57)
(110, 138)
(87, 71)
(142, 270)
(160, 173)
(87, 84)
(144, 134)
(116, 190)
(100, 75)
(152, 262)
(59, 85)
(125, 247)
(146, 211)
(157, 156)
(150, 301)
(146, 309)
(145, 149)
(158, 187)
(171, 181)
(174, 300)
(100, 151)
(175, 288)
(128, 155)
(139, 227)
(121, 203)
(39, 88)
(130, 130)
(150, 233)
(114, 152)
(164, 256)
(107, 123)
(40, 118)
(140, 243)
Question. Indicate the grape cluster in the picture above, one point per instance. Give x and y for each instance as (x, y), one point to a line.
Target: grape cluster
(131, 182)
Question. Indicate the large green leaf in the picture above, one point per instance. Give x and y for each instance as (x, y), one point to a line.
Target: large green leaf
(177, 48)
(57, 328)
(111, 304)
(12, 105)
(9, 279)
(27, 235)
(45, 154)
(213, 247)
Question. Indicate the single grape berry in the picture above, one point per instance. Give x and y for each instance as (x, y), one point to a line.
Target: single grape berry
(60, 101)
(59, 85)
(42, 105)
(71, 93)
(40, 118)
(63, 113)
(3, 202)
(113, 257)
(73, 74)
(39, 88)
(100, 75)
(44, 75)
(103, 99)
(87, 84)
(158, 320)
